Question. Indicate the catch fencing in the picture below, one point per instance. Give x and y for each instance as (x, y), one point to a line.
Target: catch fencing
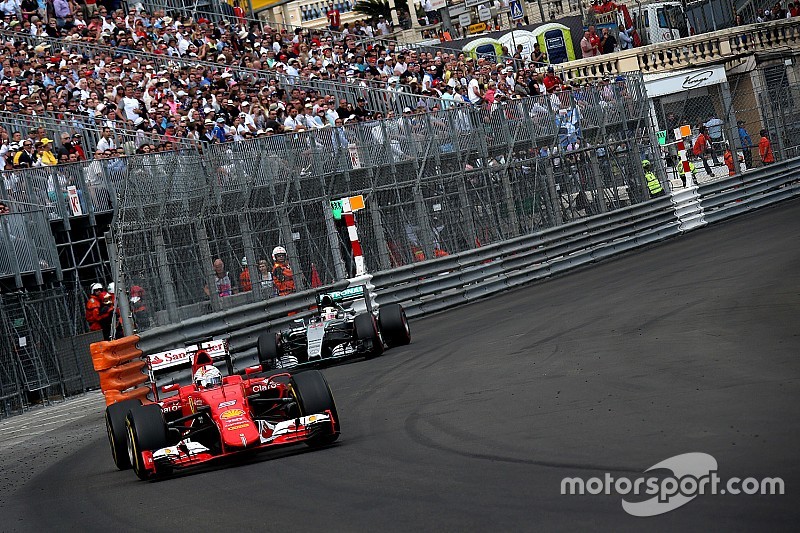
(435, 184)
(26, 246)
(44, 345)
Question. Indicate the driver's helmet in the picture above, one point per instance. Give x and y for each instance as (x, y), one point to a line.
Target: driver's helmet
(207, 377)
(328, 313)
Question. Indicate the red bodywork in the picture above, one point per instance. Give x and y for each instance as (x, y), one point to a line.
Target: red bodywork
(229, 408)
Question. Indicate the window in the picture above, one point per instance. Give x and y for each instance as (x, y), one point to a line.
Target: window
(662, 18)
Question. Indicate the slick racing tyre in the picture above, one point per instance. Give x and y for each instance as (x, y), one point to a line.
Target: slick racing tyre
(394, 325)
(267, 350)
(366, 329)
(147, 431)
(314, 396)
(118, 433)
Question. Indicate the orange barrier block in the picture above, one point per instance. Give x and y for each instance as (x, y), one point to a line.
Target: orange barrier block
(106, 354)
(114, 396)
(124, 376)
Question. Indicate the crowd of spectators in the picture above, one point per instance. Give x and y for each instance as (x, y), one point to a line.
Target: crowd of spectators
(227, 81)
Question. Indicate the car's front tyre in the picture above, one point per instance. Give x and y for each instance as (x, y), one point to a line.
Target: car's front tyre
(147, 431)
(314, 396)
(117, 431)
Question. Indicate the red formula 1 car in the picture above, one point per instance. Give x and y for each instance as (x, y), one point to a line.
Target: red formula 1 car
(218, 416)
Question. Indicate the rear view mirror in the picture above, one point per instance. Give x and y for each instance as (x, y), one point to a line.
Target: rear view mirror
(252, 370)
(171, 387)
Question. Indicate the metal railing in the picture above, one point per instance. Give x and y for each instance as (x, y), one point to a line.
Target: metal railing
(438, 284)
(89, 129)
(26, 244)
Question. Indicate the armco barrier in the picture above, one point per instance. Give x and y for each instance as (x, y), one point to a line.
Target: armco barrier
(437, 284)
(434, 285)
(741, 194)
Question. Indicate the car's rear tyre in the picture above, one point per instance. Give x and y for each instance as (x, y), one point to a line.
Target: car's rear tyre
(268, 351)
(313, 397)
(118, 432)
(366, 329)
(394, 325)
(147, 431)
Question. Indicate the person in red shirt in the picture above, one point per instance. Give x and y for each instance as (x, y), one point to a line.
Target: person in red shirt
(595, 40)
(730, 162)
(702, 145)
(765, 149)
(238, 12)
(334, 17)
(551, 80)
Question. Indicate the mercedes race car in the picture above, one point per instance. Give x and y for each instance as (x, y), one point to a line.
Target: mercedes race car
(336, 331)
(218, 416)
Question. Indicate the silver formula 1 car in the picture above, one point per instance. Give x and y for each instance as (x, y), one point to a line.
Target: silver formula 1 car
(336, 331)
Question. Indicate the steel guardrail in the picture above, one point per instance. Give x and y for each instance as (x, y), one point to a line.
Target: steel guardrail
(437, 284)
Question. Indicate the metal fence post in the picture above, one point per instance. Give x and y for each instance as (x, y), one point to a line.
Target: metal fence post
(552, 194)
(250, 254)
(600, 196)
(120, 292)
(207, 264)
(735, 143)
(333, 240)
(380, 237)
(165, 276)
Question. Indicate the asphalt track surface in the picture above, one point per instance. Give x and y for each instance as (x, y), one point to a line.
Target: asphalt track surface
(687, 346)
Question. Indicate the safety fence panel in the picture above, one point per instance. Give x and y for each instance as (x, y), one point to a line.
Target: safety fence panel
(26, 245)
(43, 347)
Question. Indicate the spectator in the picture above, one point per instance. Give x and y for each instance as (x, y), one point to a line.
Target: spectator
(222, 280)
(587, 49)
(701, 148)
(765, 149)
(608, 43)
(747, 144)
(625, 39)
(265, 277)
(538, 57)
(44, 156)
(551, 81)
(334, 17)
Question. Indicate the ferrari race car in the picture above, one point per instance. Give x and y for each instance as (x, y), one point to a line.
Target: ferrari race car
(217, 416)
(336, 331)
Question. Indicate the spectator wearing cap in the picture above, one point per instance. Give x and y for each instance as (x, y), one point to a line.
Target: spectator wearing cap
(551, 81)
(219, 130)
(44, 153)
(361, 111)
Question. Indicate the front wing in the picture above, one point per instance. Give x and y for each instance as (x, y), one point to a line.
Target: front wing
(188, 453)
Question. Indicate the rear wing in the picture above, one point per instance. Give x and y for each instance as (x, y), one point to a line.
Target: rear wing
(180, 357)
(350, 294)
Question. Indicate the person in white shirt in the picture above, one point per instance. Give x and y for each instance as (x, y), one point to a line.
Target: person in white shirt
(474, 91)
(401, 66)
(291, 122)
(383, 26)
(130, 105)
(106, 141)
